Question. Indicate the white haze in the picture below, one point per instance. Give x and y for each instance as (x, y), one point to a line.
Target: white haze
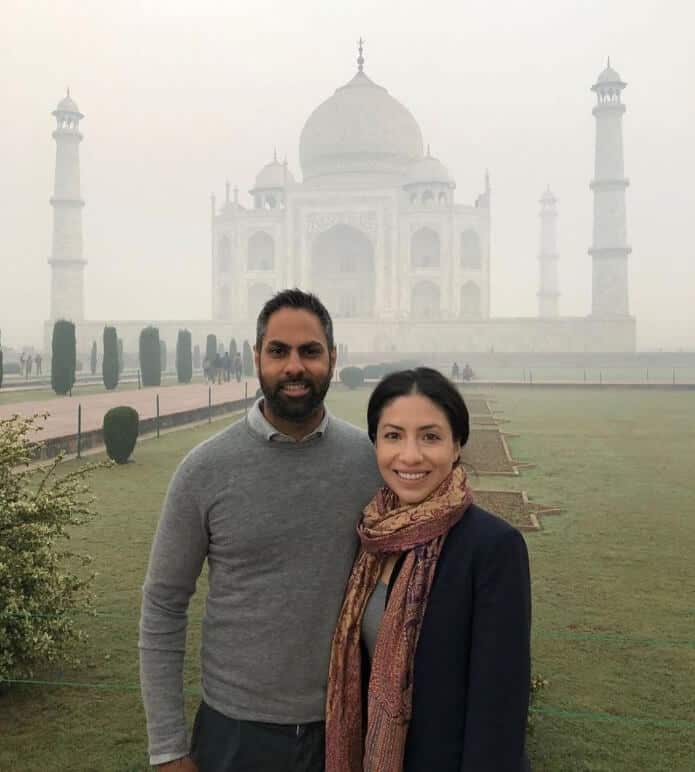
(180, 95)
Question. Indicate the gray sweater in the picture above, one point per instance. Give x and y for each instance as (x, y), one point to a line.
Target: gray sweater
(276, 521)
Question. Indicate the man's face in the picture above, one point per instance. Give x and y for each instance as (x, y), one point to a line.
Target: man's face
(294, 364)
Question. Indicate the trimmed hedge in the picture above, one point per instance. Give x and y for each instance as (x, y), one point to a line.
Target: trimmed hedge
(109, 364)
(150, 357)
(93, 358)
(233, 350)
(184, 360)
(352, 377)
(211, 348)
(247, 360)
(63, 357)
(120, 428)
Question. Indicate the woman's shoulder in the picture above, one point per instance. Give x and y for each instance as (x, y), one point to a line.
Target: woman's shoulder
(482, 528)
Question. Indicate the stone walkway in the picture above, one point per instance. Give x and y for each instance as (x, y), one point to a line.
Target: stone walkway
(62, 420)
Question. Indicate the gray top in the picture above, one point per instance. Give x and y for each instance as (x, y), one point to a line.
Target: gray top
(373, 614)
(275, 520)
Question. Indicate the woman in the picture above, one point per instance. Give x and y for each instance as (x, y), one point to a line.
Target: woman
(430, 664)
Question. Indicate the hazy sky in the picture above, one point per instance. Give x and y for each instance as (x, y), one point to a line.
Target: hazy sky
(180, 95)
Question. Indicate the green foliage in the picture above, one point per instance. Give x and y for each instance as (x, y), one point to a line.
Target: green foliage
(352, 377)
(247, 360)
(184, 364)
(109, 363)
(150, 357)
(162, 355)
(196, 356)
(120, 356)
(211, 347)
(42, 588)
(63, 357)
(120, 428)
(233, 349)
(93, 358)
(378, 371)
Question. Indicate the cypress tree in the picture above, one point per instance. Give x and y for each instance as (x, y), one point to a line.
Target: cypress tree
(120, 355)
(109, 364)
(184, 364)
(63, 356)
(150, 357)
(163, 355)
(247, 360)
(233, 350)
(196, 356)
(211, 348)
(93, 358)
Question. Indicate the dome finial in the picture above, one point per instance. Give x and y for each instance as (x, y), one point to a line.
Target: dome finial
(360, 58)
(608, 62)
(275, 153)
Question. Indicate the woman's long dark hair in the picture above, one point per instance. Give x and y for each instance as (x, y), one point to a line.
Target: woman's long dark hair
(431, 384)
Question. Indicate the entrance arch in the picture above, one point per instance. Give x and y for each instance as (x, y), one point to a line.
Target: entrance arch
(342, 271)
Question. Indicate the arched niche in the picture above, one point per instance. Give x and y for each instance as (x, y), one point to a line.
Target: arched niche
(258, 295)
(261, 252)
(425, 249)
(342, 271)
(224, 255)
(470, 300)
(471, 255)
(425, 301)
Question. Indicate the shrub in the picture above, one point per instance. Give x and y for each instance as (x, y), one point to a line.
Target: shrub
(120, 432)
(211, 347)
(352, 377)
(150, 362)
(109, 363)
(162, 355)
(63, 357)
(196, 356)
(93, 358)
(41, 595)
(247, 360)
(184, 364)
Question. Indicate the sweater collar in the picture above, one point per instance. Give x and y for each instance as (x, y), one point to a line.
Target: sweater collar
(260, 425)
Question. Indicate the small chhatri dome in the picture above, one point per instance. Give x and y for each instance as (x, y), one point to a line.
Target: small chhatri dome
(548, 197)
(429, 170)
(361, 128)
(67, 105)
(274, 176)
(609, 76)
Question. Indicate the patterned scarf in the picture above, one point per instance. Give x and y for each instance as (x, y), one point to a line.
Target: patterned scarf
(387, 527)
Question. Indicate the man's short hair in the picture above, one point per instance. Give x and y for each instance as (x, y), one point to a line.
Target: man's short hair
(294, 298)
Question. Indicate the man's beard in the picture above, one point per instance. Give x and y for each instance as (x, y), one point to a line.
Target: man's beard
(295, 409)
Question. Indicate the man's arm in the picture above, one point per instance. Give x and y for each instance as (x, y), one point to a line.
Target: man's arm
(499, 669)
(178, 553)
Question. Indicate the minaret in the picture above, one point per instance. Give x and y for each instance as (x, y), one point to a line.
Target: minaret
(548, 292)
(609, 248)
(66, 261)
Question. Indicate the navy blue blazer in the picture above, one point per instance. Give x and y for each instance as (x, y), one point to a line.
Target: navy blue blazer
(472, 662)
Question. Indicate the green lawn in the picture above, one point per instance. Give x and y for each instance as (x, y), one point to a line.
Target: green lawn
(613, 581)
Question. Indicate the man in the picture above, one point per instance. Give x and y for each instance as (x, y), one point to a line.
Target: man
(272, 503)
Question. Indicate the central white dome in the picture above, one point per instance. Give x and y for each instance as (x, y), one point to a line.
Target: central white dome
(361, 128)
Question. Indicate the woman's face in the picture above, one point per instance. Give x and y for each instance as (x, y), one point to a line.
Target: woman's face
(415, 448)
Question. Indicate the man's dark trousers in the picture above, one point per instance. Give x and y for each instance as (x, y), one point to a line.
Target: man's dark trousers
(221, 744)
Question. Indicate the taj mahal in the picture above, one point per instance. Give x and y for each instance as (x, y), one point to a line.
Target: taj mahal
(374, 228)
